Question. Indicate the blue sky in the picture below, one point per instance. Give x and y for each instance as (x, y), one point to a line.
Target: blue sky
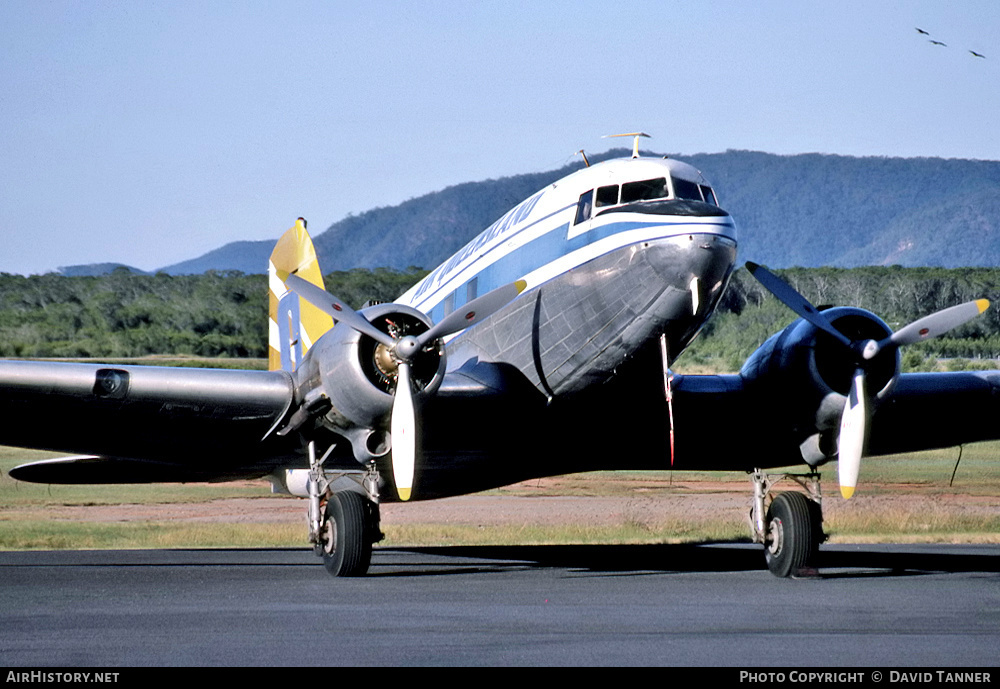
(148, 133)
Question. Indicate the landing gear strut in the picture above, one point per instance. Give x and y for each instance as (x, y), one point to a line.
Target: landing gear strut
(792, 528)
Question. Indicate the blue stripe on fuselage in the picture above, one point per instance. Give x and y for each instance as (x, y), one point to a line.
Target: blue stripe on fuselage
(514, 216)
(541, 251)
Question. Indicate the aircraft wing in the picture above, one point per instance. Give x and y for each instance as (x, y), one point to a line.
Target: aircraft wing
(932, 410)
(771, 425)
(144, 423)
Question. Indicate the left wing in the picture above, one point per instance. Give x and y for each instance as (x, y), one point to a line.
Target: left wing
(144, 423)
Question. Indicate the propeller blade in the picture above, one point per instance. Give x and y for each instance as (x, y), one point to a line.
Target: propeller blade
(404, 433)
(853, 435)
(787, 295)
(939, 323)
(475, 311)
(333, 306)
(925, 328)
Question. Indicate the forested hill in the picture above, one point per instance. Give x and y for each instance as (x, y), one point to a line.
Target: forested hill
(823, 210)
(800, 210)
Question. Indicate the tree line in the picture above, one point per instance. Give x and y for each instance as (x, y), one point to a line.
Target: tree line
(224, 314)
(121, 314)
(748, 314)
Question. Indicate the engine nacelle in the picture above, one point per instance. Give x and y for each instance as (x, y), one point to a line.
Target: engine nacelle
(351, 378)
(805, 375)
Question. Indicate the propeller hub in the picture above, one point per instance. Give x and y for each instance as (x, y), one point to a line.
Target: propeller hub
(406, 348)
(870, 349)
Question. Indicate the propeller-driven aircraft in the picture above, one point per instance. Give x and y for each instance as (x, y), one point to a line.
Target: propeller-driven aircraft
(542, 347)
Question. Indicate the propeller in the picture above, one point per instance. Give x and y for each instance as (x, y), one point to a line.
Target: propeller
(403, 424)
(856, 420)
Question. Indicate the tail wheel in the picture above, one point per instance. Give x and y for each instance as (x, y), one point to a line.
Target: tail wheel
(794, 531)
(348, 535)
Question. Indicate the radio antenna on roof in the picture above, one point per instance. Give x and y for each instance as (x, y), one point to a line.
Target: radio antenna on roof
(635, 146)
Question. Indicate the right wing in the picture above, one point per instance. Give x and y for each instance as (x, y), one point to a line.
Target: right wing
(144, 423)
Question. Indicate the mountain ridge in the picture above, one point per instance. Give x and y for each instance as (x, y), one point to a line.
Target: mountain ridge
(806, 210)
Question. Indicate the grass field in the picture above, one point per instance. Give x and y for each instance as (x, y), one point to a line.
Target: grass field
(905, 498)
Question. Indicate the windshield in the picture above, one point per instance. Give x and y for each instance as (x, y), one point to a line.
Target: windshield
(645, 190)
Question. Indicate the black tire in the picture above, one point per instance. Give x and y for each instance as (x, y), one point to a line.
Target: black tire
(347, 550)
(794, 532)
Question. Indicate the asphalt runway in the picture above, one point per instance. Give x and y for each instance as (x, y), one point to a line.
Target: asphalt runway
(702, 605)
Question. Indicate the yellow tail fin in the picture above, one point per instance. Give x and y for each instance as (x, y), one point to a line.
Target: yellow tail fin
(294, 324)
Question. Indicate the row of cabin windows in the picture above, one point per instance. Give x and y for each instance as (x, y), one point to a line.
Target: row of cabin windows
(645, 190)
(471, 290)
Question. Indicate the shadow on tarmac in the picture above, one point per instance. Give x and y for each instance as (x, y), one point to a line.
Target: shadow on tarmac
(833, 562)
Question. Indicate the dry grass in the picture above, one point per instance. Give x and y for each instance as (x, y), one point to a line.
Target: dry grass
(62, 535)
(901, 499)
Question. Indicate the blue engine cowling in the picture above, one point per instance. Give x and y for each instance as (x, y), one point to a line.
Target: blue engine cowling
(804, 375)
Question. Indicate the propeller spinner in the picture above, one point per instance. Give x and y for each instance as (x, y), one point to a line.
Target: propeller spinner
(403, 350)
(856, 419)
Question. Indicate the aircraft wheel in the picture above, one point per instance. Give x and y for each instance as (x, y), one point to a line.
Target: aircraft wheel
(347, 542)
(793, 530)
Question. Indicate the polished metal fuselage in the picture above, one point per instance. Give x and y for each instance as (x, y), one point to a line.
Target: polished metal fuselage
(578, 328)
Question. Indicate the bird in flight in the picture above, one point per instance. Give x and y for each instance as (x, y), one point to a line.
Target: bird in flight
(939, 43)
(977, 54)
(919, 30)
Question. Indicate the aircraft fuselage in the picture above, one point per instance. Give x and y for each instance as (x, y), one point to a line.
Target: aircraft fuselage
(614, 255)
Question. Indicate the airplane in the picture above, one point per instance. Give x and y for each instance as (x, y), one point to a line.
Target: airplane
(540, 348)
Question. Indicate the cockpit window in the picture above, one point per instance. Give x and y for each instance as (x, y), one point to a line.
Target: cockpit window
(607, 196)
(583, 207)
(709, 195)
(684, 189)
(604, 199)
(645, 190)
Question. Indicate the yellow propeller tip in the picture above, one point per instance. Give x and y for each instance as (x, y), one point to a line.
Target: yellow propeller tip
(983, 304)
(847, 492)
(521, 285)
(404, 493)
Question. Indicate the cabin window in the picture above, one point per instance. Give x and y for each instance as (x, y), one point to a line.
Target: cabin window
(449, 303)
(607, 196)
(645, 190)
(583, 207)
(684, 189)
(709, 195)
(471, 289)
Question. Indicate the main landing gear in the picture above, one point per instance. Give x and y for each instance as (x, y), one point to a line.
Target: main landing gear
(791, 529)
(343, 516)
(349, 529)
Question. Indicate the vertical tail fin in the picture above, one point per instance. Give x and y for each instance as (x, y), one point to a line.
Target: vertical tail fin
(294, 325)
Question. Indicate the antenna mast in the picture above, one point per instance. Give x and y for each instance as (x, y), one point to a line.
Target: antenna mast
(635, 145)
